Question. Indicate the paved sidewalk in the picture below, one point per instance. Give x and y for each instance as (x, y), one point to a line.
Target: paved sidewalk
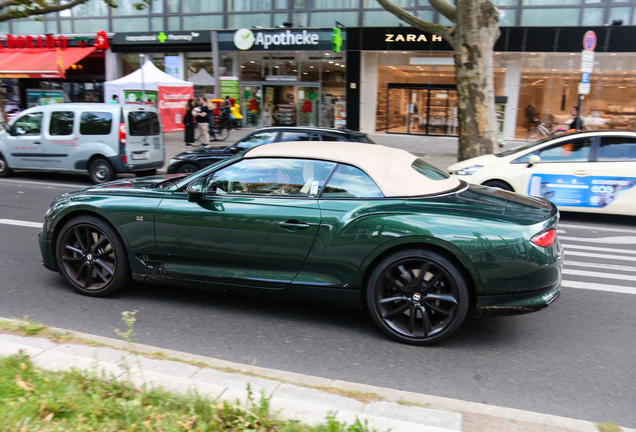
(298, 397)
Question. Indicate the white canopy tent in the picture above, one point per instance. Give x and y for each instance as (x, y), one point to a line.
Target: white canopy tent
(202, 78)
(153, 78)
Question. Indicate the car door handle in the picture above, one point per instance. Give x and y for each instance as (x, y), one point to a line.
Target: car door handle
(293, 224)
(580, 173)
(37, 142)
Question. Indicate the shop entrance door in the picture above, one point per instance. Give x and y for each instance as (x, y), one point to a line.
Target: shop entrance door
(251, 100)
(308, 100)
(422, 110)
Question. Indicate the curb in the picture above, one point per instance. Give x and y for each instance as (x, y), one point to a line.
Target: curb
(390, 395)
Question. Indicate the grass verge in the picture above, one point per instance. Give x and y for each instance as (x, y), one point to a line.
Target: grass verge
(39, 400)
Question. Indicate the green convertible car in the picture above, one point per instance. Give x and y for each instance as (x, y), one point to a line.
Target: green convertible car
(332, 222)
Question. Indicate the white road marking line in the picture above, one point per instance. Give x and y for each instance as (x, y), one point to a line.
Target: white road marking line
(21, 223)
(617, 240)
(600, 266)
(602, 256)
(39, 183)
(568, 246)
(598, 287)
(599, 275)
(560, 231)
(596, 228)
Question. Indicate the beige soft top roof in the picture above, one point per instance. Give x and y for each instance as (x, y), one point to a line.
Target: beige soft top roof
(389, 168)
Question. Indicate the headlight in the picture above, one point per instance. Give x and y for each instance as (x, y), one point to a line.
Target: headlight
(173, 161)
(46, 215)
(469, 170)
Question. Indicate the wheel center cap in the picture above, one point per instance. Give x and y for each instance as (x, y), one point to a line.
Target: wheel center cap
(89, 257)
(417, 296)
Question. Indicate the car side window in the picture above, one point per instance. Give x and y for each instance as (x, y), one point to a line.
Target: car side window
(351, 182)
(96, 123)
(28, 124)
(569, 151)
(271, 176)
(327, 137)
(295, 136)
(256, 140)
(61, 123)
(616, 149)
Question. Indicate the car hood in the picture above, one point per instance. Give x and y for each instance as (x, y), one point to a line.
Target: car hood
(202, 152)
(479, 160)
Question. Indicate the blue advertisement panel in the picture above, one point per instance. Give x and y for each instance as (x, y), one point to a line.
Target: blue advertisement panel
(573, 191)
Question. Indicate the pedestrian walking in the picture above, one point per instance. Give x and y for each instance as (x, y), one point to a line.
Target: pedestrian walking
(203, 121)
(188, 122)
(577, 123)
(530, 111)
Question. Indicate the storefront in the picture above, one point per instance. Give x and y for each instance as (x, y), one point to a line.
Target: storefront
(286, 76)
(406, 79)
(40, 69)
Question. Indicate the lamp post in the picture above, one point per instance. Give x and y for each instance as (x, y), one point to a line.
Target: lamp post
(142, 58)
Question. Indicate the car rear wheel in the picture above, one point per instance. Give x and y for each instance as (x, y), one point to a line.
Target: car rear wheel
(417, 297)
(187, 168)
(5, 171)
(101, 171)
(499, 184)
(92, 257)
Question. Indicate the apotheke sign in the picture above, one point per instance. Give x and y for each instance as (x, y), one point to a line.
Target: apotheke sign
(244, 39)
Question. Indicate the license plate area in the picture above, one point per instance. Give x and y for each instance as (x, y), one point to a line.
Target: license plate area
(140, 155)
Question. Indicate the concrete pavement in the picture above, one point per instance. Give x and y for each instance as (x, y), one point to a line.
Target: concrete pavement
(305, 398)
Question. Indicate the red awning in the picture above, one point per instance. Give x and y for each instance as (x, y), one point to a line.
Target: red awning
(38, 62)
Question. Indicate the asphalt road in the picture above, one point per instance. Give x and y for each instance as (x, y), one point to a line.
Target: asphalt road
(574, 359)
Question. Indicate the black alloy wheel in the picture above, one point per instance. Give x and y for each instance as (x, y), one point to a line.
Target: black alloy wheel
(91, 256)
(5, 171)
(187, 168)
(417, 297)
(101, 171)
(498, 184)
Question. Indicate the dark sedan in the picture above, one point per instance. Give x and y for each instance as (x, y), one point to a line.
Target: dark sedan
(195, 159)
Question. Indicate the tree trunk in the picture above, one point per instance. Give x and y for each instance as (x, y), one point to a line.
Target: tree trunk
(474, 37)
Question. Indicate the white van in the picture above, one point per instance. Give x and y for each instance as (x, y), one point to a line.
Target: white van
(101, 138)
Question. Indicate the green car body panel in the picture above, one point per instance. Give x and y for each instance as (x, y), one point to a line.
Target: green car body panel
(235, 244)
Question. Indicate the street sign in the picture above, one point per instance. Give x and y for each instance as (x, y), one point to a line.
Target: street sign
(585, 78)
(587, 56)
(587, 67)
(589, 41)
(584, 89)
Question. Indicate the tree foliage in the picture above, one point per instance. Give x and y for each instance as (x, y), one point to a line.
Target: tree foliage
(16, 9)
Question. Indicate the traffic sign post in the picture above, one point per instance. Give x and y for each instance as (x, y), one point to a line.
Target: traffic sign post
(587, 66)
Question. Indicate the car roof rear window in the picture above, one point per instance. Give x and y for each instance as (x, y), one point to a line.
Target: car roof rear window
(143, 123)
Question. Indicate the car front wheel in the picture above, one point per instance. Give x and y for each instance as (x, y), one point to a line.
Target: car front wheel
(417, 297)
(92, 257)
(187, 168)
(101, 171)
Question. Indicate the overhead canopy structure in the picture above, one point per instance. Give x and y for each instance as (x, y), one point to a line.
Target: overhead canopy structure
(202, 78)
(39, 62)
(172, 93)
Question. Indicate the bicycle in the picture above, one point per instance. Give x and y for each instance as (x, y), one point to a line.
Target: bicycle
(221, 131)
(542, 132)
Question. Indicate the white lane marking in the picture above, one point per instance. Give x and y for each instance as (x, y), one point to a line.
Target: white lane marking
(617, 240)
(560, 231)
(602, 256)
(568, 246)
(21, 223)
(598, 287)
(599, 275)
(599, 266)
(49, 185)
(596, 228)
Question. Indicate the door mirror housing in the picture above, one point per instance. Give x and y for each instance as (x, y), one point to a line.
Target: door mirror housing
(196, 189)
(533, 160)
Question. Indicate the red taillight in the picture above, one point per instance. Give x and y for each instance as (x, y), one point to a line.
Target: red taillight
(122, 133)
(123, 159)
(545, 239)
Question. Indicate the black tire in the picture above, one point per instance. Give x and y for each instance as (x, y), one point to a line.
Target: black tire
(395, 293)
(91, 257)
(5, 171)
(222, 132)
(498, 184)
(101, 171)
(187, 168)
(146, 173)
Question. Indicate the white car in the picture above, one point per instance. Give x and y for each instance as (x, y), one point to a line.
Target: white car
(591, 171)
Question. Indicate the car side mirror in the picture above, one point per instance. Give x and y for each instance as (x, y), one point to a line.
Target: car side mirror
(195, 189)
(533, 160)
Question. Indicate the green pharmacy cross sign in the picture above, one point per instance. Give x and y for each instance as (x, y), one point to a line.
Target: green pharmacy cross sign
(161, 37)
(336, 39)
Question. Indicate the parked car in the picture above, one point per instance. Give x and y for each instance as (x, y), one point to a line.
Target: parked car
(591, 171)
(330, 222)
(194, 160)
(99, 138)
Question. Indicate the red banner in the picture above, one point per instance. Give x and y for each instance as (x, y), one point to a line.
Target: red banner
(172, 101)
